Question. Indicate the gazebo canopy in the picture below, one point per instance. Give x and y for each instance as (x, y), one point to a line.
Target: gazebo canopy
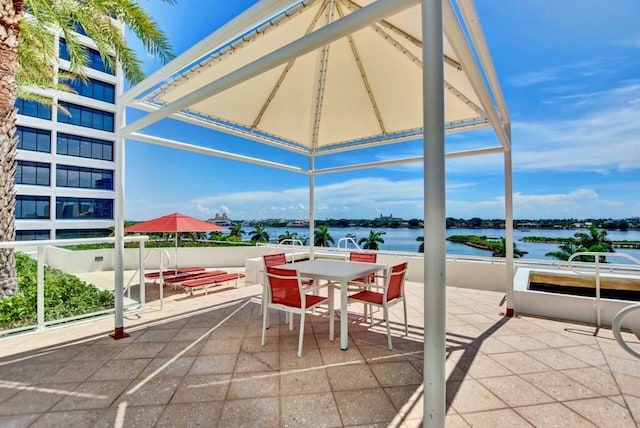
(294, 79)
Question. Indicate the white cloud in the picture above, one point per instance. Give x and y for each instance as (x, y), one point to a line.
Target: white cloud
(633, 43)
(585, 201)
(357, 198)
(603, 142)
(604, 139)
(533, 78)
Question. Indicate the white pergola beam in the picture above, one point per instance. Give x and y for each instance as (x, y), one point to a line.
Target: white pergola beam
(256, 14)
(203, 123)
(459, 44)
(475, 152)
(472, 23)
(334, 31)
(470, 16)
(379, 164)
(403, 161)
(213, 152)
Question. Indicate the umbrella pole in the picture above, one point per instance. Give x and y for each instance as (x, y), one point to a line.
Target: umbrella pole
(177, 252)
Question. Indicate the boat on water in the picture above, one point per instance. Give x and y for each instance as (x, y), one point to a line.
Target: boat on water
(350, 235)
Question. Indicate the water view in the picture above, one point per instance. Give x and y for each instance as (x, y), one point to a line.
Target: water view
(404, 239)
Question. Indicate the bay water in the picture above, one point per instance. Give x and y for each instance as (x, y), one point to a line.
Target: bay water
(404, 239)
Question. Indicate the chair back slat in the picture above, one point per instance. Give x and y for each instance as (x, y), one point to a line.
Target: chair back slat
(274, 259)
(363, 257)
(396, 281)
(284, 287)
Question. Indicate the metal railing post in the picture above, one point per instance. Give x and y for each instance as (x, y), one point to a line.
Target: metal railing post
(143, 285)
(617, 325)
(598, 306)
(596, 255)
(40, 287)
(163, 252)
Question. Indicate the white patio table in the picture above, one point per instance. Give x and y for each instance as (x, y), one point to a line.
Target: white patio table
(338, 271)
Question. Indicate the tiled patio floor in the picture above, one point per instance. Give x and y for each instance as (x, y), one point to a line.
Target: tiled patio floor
(199, 363)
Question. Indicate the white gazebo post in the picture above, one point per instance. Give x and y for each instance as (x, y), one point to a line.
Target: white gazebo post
(118, 250)
(434, 215)
(312, 210)
(508, 205)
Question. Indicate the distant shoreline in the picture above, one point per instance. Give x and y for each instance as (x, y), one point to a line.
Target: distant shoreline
(522, 225)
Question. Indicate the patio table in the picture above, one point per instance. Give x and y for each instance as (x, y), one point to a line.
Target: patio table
(338, 271)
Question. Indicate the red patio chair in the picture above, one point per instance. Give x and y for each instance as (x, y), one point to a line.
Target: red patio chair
(361, 283)
(284, 292)
(280, 259)
(392, 292)
(274, 259)
(363, 258)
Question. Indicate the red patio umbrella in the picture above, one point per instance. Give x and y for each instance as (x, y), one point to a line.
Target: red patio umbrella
(175, 223)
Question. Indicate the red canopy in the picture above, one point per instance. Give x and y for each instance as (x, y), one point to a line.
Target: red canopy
(175, 222)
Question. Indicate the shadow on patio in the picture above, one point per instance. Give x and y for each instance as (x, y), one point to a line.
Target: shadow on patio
(200, 363)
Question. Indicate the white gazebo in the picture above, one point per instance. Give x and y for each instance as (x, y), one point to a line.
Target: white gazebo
(320, 77)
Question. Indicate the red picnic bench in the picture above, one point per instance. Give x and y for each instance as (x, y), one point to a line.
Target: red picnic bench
(179, 279)
(211, 281)
(173, 272)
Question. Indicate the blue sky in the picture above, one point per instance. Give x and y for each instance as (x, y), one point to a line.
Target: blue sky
(570, 73)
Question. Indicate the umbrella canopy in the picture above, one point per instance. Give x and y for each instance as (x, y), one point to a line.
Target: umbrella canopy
(175, 222)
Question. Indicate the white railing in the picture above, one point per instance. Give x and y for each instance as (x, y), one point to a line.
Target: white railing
(346, 241)
(596, 271)
(293, 243)
(40, 256)
(140, 271)
(617, 324)
(162, 267)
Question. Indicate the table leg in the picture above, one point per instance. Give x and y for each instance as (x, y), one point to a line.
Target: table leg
(344, 315)
(332, 314)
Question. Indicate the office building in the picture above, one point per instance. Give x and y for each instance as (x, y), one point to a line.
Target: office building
(65, 164)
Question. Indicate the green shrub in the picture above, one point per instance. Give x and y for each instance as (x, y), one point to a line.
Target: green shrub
(64, 296)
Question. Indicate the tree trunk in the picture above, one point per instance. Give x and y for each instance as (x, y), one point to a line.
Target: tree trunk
(10, 17)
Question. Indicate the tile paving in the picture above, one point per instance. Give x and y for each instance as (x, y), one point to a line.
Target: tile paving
(199, 362)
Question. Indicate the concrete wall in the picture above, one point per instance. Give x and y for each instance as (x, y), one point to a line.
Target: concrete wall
(565, 306)
(102, 259)
(477, 274)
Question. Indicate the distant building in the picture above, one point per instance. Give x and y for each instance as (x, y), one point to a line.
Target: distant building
(298, 223)
(221, 219)
(390, 217)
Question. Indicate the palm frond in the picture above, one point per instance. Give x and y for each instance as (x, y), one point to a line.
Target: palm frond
(102, 21)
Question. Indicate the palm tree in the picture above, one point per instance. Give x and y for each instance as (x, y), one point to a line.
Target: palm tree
(371, 242)
(287, 236)
(260, 234)
(27, 55)
(215, 236)
(594, 241)
(421, 247)
(196, 236)
(595, 238)
(500, 249)
(322, 238)
(236, 230)
(566, 250)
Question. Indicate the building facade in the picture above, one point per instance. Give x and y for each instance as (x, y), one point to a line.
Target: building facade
(65, 164)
